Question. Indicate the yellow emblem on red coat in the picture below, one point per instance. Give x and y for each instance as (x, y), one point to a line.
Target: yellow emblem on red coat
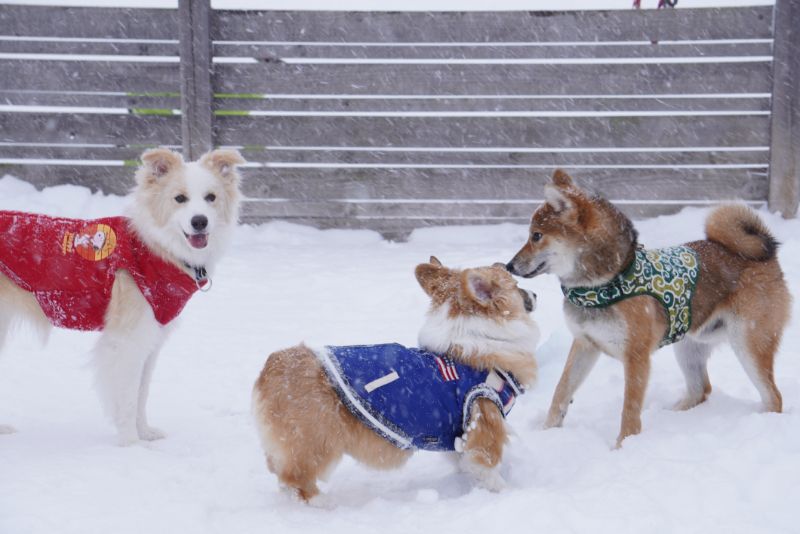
(94, 242)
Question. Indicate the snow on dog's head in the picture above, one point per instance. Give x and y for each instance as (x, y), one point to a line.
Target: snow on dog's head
(477, 315)
(187, 208)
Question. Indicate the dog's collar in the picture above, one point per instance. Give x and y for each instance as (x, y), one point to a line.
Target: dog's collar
(573, 294)
(200, 276)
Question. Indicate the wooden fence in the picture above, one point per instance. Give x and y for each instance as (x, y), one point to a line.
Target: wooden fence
(393, 121)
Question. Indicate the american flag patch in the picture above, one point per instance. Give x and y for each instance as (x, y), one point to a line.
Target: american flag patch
(447, 368)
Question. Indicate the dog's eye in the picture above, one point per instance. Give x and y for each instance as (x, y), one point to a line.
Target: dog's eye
(211, 197)
(180, 199)
(536, 236)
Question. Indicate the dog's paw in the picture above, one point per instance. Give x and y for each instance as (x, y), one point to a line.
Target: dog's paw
(7, 429)
(687, 403)
(150, 433)
(321, 501)
(491, 480)
(126, 439)
(553, 421)
(483, 477)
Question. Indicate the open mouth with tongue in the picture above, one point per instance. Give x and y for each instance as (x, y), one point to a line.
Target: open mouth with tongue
(197, 240)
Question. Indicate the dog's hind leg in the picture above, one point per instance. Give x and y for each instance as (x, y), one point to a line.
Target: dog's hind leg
(582, 357)
(755, 346)
(16, 304)
(692, 357)
(5, 324)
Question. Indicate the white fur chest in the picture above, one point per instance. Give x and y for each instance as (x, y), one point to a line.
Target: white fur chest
(604, 327)
(477, 335)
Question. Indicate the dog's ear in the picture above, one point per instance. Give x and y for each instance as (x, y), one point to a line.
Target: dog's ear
(478, 286)
(558, 199)
(562, 180)
(158, 162)
(432, 276)
(223, 162)
(435, 261)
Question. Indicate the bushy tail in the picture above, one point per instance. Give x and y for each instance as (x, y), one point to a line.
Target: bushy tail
(740, 230)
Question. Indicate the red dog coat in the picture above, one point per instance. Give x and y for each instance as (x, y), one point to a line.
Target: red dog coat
(70, 265)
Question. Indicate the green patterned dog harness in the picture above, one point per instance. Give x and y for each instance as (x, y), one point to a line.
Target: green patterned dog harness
(667, 274)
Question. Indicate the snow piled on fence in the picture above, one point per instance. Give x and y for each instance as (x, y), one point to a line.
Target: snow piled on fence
(722, 467)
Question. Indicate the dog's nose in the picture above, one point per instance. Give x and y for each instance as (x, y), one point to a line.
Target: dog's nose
(510, 267)
(199, 222)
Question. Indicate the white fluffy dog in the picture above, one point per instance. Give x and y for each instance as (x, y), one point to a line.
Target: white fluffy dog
(133, 286)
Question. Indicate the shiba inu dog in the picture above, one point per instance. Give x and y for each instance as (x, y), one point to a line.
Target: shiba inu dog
(626, 302)
(378, 403)
(127, 276)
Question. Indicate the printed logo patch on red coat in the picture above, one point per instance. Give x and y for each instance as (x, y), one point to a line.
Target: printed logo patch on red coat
(447, 368)
(94, 242)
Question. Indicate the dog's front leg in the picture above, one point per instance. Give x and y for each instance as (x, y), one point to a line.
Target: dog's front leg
(582, 356)
(145, 431)
(120, 359)
(483, 444)
(131, 335)
(637, 374)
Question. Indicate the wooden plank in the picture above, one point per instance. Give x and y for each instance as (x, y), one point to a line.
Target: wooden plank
(88, 99)
(89, 129)
(113, 48)
(506, 157)
(505, 105)
(396, 210)
(438, 185)
(493, 80)
(117, 180)
(784, 194)
(97, 76)
(340, 105)
(75, 152)
(287, 158)
(398, 229)
(116, 23)
(390, 229)
(196, 126)
(487, 212)
(494, 184)
(306, 52)
(754, 158)
(496, 132)
(509, 26)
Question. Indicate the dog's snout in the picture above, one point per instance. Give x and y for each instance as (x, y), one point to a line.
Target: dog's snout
(510, 267)
(199, 222)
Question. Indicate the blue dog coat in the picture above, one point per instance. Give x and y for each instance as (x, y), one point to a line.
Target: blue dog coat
(411, 397)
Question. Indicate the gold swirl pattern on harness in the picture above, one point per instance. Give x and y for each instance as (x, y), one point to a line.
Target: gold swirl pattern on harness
(669, 275)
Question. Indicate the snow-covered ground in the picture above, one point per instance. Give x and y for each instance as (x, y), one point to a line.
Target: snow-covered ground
(722, 467)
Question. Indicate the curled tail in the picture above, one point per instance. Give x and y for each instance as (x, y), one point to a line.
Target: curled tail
(740, 230)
